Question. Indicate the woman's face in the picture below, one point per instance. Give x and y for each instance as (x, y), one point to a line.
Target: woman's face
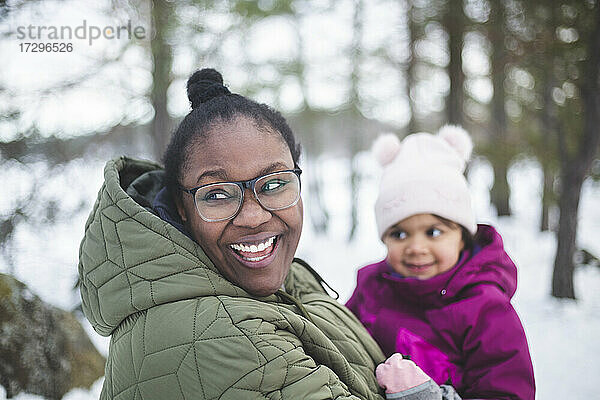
(238, 151)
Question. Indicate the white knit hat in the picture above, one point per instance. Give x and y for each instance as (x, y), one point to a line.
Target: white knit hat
(423, 174)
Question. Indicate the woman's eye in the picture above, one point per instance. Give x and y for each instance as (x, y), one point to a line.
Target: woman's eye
(216, 196)
(434, 232)
(398, 235)
(273, 185)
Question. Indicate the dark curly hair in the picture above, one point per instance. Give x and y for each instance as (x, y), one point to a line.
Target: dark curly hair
(213, 103)
(467, 237)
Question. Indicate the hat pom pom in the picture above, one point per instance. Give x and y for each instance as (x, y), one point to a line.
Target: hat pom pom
(385, 148)
(458, 139)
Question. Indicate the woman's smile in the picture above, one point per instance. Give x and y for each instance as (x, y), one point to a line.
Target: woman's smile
(254, 252)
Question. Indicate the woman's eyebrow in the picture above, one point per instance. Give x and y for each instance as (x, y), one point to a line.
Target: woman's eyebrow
(221, 174)
(218, 173)
(276, 166)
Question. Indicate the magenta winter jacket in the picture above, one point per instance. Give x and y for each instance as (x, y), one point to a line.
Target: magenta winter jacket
(459, 327)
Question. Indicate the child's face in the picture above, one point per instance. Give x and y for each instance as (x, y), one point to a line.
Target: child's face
(423, 246)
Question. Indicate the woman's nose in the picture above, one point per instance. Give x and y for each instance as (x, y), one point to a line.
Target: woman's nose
(251, 214)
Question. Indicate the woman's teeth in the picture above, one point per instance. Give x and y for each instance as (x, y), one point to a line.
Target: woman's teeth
(253, 249)
(255, 258)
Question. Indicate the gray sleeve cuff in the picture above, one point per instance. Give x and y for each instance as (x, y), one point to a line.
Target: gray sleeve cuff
(449, 393)
(425, 391)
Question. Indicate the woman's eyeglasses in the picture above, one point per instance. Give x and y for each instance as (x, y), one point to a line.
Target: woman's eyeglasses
(221, 201)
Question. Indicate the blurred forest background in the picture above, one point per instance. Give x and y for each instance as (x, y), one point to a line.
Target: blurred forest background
(521, 76)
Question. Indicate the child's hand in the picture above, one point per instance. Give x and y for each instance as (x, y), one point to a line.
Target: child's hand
(398, 374)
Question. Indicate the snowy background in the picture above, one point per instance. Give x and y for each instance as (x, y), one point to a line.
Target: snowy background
(563, 335)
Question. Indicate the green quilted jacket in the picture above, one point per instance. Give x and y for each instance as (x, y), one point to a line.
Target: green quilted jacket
(179, 330)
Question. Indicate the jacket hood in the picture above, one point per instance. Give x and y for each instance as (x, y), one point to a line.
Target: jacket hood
(488, 263)
(130, 259)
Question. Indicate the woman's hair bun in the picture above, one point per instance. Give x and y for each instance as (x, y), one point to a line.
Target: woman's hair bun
(205, 84)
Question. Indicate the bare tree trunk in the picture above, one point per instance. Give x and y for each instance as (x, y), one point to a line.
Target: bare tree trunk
(547, 198)
(562, 277)
(319, 216)
(454, 24)
(548, 119)
(548, 127)
(162, 59)
(412, 63)
(576, 168)
(500, 193)
(355, 131)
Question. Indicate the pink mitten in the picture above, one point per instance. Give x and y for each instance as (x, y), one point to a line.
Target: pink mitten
(397, 374)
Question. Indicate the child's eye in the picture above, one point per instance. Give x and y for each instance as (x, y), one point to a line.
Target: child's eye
(398, 235)
(434, 232)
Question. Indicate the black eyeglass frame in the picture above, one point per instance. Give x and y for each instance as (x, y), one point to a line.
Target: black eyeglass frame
(243, 185)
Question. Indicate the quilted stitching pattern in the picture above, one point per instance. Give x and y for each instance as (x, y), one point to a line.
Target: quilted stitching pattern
(181, 331)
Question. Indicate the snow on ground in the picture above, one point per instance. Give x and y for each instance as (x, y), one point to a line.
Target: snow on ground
(563, 335)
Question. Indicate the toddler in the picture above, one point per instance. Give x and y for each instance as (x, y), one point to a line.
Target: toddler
(442, 294)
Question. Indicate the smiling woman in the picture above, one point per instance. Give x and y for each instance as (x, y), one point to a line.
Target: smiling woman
(191, 269)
